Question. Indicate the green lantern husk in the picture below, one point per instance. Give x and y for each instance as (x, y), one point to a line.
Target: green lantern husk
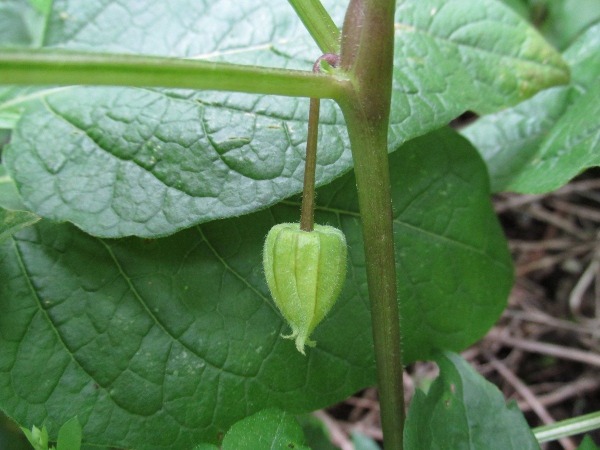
(305, 272)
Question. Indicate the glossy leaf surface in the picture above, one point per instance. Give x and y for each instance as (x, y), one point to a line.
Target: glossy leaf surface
(171, 341)
(150, 162)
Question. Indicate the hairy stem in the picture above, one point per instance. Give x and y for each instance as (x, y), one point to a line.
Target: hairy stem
(317, 21)
(374, 196)
(367, 57)
(46, 67)
(307, 213)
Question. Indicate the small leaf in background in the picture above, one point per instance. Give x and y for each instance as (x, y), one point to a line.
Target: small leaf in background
(588, 444)
(270, 428)
(69, 435)
(451, 57)
(463, 410)
(542, 143)
(13, 221)
(316, 434)
(362, 442)
(572, 145)
(37, 438)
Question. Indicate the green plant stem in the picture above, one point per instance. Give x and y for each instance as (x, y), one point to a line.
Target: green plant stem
(367, 55)
(372, 179)
(307, 213)
(44, 67)
(566, 428)
(319, 24)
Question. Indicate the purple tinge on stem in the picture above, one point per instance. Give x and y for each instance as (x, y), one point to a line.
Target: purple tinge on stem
(331, 58)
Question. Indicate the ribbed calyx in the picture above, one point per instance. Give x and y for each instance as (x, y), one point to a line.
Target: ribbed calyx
(305, 272)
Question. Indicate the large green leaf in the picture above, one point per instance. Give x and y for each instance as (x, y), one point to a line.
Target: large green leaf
(157, 344)
(166, 343)
(542, 143)
(464, 411)
(149, 162)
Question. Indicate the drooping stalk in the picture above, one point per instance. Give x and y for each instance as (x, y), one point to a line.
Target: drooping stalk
(307, 213)
(367, 56)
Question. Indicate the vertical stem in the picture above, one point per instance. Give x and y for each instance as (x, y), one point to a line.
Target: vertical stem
(374, 196)
(367, 56)
(307, 213)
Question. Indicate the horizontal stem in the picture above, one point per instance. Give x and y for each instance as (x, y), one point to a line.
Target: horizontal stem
(48, 67)
(566, 428)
